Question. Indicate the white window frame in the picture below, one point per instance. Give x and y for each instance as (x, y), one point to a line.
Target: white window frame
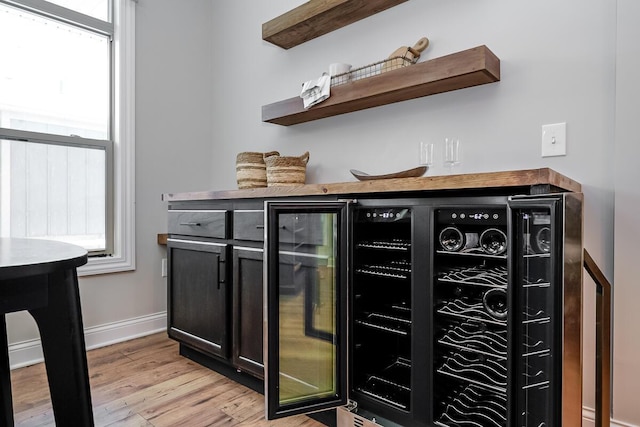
(123, 258)
(123, 136)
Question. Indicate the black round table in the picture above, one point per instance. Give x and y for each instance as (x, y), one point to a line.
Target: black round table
(40, 276)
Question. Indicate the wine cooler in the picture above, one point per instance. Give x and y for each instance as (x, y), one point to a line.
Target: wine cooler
(460, 311)
(381, 305)
(470, 339)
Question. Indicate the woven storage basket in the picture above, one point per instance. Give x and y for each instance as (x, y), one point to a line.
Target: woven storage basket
(251, 172)
(285, 171)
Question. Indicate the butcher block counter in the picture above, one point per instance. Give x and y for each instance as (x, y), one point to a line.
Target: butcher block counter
(529, 181)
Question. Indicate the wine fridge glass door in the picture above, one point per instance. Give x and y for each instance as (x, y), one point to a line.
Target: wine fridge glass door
(537, 321)
(306, 307)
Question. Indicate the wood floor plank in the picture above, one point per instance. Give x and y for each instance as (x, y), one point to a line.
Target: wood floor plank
(134, 420)
(162, 393)
(164, 396)
(146, 383)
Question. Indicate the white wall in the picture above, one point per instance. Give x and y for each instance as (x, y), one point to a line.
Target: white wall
(174, 98)
(557, 65)
(626, 370)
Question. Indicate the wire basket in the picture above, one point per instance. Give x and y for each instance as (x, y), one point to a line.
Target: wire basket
(374, 69)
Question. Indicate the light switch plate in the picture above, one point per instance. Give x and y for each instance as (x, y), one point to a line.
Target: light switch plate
(554, 140)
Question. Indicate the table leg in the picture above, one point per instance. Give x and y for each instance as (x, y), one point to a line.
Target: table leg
(62, 335)
(6, 406)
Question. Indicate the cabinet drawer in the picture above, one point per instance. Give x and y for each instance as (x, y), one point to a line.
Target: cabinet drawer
(299, 229)
(204, 223)
(248, 225)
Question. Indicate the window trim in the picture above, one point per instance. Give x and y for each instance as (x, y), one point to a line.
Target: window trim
(123, 258)
(121, 177)
(62, 14)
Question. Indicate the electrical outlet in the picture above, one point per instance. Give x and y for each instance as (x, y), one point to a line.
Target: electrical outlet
(554, 140)
(164, 267)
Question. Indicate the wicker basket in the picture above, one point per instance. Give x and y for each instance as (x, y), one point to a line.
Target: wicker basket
(251, 171)
(285, 171)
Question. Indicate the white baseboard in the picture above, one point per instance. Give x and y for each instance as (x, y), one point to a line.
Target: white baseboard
(29, 352)
(589, 419)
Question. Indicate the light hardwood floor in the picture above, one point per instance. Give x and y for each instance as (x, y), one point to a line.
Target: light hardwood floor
(145, 382)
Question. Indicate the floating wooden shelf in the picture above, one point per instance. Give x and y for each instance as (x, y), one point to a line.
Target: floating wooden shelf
(318, 17)
(472, 67)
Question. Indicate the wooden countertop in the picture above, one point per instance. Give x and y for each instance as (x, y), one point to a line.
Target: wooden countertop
(490, 180)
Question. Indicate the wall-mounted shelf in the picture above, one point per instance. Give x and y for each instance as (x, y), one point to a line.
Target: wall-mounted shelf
(318, 17)
(472, 67)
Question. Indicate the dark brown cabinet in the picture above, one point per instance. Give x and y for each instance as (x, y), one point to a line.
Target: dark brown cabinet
(248, 309)
(248, 237)
(215, 306)
(198, 295)
(395, 255)
(215, 284)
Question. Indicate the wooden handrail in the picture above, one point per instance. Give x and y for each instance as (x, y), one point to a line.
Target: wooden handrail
(603, 342)
(162, 239)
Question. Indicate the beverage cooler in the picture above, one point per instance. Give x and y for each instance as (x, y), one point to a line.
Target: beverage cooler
(427, 312)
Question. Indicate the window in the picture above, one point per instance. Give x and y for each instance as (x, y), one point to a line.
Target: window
(66, 135)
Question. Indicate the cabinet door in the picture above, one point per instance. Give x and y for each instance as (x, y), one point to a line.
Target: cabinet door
(197, 295)
(247, 310)
(305, 371)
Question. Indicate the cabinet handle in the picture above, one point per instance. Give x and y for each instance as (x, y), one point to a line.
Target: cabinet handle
(260, 227)
(221, 274)
(191, 224)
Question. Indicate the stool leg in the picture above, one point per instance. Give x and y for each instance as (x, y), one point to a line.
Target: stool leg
(62, 335)
(6, 406)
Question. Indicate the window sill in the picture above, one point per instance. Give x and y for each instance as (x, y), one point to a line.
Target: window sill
(106, 265)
